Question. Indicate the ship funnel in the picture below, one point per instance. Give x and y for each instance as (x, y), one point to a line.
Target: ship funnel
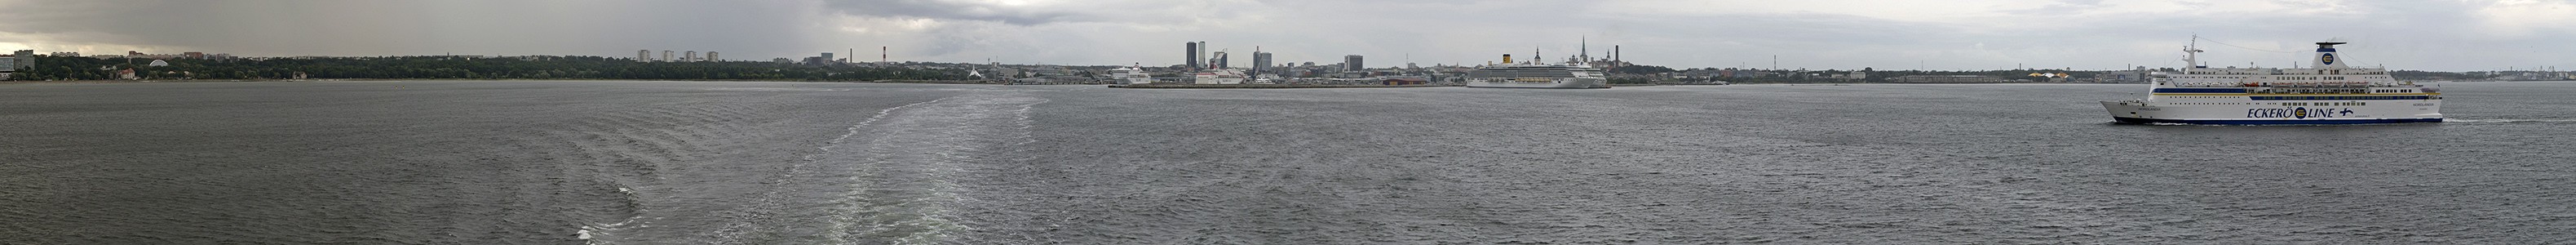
(2326, 56)
(1507, 58)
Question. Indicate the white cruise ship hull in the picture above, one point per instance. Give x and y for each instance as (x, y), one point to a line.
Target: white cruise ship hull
(2250, 112)
(1562, 83)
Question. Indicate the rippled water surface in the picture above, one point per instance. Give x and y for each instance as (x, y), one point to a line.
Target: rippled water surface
(535, 162)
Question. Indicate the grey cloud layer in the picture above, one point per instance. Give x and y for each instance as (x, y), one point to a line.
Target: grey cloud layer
(2440, 35)
(955, 10)
(287, 27)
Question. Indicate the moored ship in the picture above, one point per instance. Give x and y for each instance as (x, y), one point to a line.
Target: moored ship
(1130, 75)
(1220, 76)
(1534, 75)
(2331, 92)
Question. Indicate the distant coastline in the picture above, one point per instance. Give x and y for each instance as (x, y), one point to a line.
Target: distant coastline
(478, 79)
(1265, 86)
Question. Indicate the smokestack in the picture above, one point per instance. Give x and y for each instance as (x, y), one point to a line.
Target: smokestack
(881, 53)
(1614, 53)
(1507, 58)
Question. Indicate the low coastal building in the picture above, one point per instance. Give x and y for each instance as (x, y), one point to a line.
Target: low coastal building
(26, 59)
(2131, 76)
(1949, 79)
(1405, 81)
(9, 65)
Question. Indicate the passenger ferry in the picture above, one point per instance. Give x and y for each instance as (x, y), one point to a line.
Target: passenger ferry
(1533, 75)
(2328, 93)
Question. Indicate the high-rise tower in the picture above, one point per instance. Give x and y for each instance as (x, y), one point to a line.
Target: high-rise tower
(1352, 63)
(1260, 62)
(1191, 61)
(1217, 61)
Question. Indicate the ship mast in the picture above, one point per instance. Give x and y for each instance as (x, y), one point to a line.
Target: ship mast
(2191, 54)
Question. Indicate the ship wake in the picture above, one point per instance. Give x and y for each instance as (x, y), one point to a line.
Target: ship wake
(905, 167)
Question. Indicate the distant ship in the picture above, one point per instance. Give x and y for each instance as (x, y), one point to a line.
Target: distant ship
(1533, 75)
(2329, 93)
(1220, 76)
(1130, 75)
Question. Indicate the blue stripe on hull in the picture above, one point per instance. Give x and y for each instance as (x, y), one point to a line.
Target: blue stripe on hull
(2132, 120)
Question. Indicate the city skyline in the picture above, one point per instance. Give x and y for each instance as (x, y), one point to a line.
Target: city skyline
(1948, 35)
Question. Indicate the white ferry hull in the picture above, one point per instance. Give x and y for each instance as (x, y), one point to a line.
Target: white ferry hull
(1567, 83)
(2252, 113)
(2328, 93)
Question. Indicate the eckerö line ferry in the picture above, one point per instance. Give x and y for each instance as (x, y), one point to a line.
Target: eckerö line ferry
(2329, 93)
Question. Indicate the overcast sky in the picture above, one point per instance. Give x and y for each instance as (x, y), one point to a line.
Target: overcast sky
(1816, 34)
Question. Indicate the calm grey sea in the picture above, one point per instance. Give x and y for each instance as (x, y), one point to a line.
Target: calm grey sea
(630, 162)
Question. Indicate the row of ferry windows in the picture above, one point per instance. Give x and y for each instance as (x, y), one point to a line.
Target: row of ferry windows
(2307, 97)
(2343, 97)
(2283, 104)
(2222, 97)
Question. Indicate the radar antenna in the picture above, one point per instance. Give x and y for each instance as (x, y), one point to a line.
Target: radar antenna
(2191, 54)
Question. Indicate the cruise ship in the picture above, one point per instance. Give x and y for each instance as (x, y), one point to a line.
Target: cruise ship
(1130, 75)
(2330, 92)
(1219, 76)
(1534, 75)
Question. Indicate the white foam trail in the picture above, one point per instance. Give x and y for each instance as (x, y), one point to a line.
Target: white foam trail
(903, 193)
(854, 128)
(770, 202)
(1027, 136)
